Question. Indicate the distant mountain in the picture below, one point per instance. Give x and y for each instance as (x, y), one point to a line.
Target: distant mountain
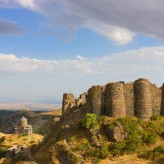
(32, 107)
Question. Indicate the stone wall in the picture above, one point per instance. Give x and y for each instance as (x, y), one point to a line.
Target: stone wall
(68, 102)
(115, 100)
(156, 99)
(141, 99)
(162, 102)
(129, 99)
(82, 99)
(95, 100)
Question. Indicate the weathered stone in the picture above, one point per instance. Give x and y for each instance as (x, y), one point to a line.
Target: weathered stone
(116, 134)
(142, 99)
(156, 97)
(129, 99)
(115, 100)
(162, 102)
(68, 102)
(82, 99)
(95, 100)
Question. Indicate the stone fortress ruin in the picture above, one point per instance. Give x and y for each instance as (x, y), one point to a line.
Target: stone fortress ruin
(140, 99)
(24, 127)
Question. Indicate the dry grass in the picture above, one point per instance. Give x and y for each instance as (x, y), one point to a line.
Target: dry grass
(15, 139)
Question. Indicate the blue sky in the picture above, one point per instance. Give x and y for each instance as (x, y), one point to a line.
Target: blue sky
(51, 47)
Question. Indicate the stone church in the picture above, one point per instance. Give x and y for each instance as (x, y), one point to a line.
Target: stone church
(24, 127)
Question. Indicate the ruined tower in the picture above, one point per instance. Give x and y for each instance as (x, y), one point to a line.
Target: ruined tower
(162, 101)
(68, 102)
(95, 100)
(114, 100)
(142, 99)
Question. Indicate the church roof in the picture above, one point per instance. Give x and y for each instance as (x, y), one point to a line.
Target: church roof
(23, 119)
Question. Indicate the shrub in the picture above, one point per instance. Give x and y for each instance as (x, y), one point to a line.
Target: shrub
(101, 152)
(104, 152)
(89, 121)
(137, 134)
(70, 156)
(156, 117)
(3, 151)
(156, 154)
(84, 146)
(118, 148)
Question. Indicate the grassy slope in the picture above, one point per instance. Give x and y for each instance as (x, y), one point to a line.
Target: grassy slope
(13, 139)
(69, 143)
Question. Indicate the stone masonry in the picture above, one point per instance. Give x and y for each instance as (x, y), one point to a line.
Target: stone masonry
(140, 99)
(115, 100)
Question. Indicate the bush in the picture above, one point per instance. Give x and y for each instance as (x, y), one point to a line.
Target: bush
(70, 156)
(137, 134)
(156, 117)
(3, 151)
(118, 148)
(156, 154)
(84, 146)
(89, 121)
(102, 152)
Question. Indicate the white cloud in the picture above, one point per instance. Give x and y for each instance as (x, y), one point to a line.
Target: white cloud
(116, 20)
(11, 64)
(119, 35)
(146, 62)
(28, 4)
(26, 79)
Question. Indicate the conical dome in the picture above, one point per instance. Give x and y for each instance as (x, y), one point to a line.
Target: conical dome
(23, 119)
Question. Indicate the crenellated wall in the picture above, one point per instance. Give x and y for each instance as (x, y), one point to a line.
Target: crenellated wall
(141, 99)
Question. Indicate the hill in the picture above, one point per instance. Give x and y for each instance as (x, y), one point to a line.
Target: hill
(31, 107)
(10, 140)
(40, 121)
(98, 139)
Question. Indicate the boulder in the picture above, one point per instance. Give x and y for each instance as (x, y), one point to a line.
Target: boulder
(117, 133)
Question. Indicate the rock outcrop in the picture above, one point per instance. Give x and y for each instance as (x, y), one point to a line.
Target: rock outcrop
(141, 99)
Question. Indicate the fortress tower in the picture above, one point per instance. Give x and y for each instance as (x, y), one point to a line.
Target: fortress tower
(114, 100)
(68, 102)
(162, 102)
(142, 99)
(95, 100)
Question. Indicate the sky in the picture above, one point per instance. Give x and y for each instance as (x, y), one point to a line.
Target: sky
(50, 47)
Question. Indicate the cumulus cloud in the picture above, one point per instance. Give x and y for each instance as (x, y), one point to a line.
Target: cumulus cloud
(11, 64)
(9, 28)
(117, 20)
(146, 62)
